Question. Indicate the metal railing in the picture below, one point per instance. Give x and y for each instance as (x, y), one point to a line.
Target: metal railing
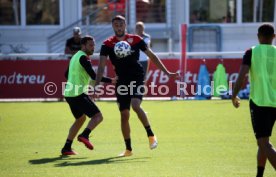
(97, 22)
(88, 24)
(166, 55)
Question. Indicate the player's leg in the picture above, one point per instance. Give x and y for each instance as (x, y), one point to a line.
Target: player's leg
(79, 120)
(136, 101)
(268, 120)
(123, 102)
(76, 127)
(268, 149)
(125, 128)
(256, 124)
(92, 124)
(136, 106)
(263, 119)
(67, 149)
(95, 121)
(261, 162)
(88, 107)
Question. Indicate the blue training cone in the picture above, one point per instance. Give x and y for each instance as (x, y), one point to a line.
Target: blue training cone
(203, 88)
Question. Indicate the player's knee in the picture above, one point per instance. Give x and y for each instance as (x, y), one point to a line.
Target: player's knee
(82, 118)
(98, 117)
(125, 115)
(136, 107)
(263, 142)
(136, 104)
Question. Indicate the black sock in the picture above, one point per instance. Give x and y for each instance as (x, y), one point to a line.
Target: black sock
(149, 131)
(86, 133)
(260, 171)
(68, 144)
(128, 144)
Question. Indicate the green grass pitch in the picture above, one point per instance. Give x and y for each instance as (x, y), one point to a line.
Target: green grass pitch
(196, 139)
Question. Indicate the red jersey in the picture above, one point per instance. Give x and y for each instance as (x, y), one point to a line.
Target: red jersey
(128, 67)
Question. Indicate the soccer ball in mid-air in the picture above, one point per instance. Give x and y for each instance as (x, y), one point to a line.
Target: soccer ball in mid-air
(122, 49)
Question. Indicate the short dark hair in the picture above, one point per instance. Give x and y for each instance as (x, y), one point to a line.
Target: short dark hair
(85, 39)
(118, 17)
(266, 30)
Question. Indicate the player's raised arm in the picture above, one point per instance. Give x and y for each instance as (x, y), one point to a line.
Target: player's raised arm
(159, 64)
(100, 70)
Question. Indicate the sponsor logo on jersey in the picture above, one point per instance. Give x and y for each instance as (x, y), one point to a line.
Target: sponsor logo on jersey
(130, 40)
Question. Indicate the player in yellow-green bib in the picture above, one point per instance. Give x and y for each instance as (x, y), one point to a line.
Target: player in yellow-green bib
(260, 62)
(80, 72)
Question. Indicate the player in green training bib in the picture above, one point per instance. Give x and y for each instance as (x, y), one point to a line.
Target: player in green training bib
(260, 62)
(80, 73)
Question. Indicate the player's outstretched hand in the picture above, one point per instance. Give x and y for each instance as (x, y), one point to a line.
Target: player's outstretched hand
(114, 80)
(174, 75)
(94, 96)
(236, 101)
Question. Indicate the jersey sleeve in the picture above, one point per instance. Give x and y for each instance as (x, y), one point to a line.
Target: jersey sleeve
(247, 57)
(88, 68)
(147, 40)
(142, 45)
(104, 50)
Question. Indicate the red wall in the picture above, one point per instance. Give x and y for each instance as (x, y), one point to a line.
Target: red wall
(28, 78)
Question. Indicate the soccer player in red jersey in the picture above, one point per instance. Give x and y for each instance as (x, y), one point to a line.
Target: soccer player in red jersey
(129, 72)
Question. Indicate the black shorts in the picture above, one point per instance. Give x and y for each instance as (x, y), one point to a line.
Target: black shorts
(262, 119)
(82, 104)
(126, 90)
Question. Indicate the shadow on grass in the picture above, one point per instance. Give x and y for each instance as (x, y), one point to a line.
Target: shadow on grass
(103, 161)
(50, 160)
